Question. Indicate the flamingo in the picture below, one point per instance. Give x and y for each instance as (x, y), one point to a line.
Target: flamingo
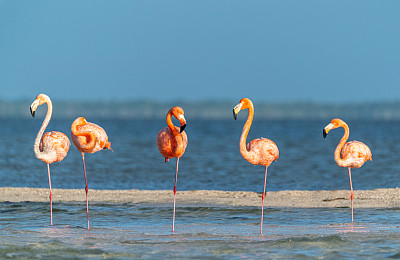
(88, 138)
(259, 151)
(51, 146)
(351, 154)
(171, 142)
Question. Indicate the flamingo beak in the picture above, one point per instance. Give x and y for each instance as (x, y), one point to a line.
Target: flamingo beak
(32, 112)
(182, 120)
(327, 129)
(236, 110)
(183, 126)
(33, 107)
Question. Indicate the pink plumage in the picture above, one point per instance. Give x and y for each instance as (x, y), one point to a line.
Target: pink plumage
(51, 146)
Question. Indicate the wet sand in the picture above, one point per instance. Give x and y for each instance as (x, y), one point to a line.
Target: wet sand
(377, 198)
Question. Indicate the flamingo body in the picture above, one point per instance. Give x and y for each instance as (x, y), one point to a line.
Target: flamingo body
(81, 141)
(172, 142)
(88, 138)
(355, 154)
(167, 144)
(348, 154)
(50, 146)
(57, 142)
(260, 151)
(263, 151)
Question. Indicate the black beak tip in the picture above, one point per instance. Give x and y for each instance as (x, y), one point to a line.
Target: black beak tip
(32, 112)
(234, 114)
(324, 133)
(182, 128)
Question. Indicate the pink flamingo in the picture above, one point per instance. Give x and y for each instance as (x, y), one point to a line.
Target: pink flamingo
(259, 151)
(51, 146)
(88, 138)
(171, 142)
(351, 154)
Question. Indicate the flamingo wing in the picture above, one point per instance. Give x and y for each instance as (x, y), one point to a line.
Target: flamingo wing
(167, 145)
(264, 151)
(98, 131)
(356, 153)
(57, 142)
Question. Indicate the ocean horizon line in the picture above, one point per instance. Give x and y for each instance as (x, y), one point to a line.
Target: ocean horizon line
(210, 109)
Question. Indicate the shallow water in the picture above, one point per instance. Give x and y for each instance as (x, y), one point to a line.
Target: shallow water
(144, 231)
(212, 161)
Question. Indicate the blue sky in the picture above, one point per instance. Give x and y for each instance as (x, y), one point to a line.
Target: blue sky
(323, 51)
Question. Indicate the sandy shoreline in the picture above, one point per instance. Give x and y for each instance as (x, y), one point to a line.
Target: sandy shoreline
(377, 198)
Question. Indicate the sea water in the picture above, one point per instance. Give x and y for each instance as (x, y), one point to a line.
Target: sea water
(144, 231)
(212, 161)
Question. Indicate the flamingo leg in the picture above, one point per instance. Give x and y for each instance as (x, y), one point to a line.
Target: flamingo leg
(176, 178)
(263, 197)
(352, 195)
(86, 189)
(51, 197)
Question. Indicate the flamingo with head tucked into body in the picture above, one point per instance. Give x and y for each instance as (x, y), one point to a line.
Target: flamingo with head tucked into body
(88, 138)
(259, 151)
(171, 142)
(51, 146)
(351, 154)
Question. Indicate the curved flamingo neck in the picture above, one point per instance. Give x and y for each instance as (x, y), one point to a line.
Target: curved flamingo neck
(170, 124)
(246, 128)
(176, 135)
(43, 155)
(79, 122)
(338, 149)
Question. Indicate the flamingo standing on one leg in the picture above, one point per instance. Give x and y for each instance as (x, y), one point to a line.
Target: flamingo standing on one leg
(51, 146)
(351, 154)
(259, 151)
(171, 142)
(88, 138)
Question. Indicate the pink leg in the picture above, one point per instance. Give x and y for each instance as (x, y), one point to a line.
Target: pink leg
(263, 197)
(86, 189)
(51, 197)
(176, 177)
(352, 195)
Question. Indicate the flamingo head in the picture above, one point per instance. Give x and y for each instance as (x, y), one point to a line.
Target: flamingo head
(243, 104)
(80, 121)
(335, 123)
(179, 114)
(77, 122)
(40, 100)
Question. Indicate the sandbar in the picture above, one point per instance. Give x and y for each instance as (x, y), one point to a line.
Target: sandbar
(377, 198)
